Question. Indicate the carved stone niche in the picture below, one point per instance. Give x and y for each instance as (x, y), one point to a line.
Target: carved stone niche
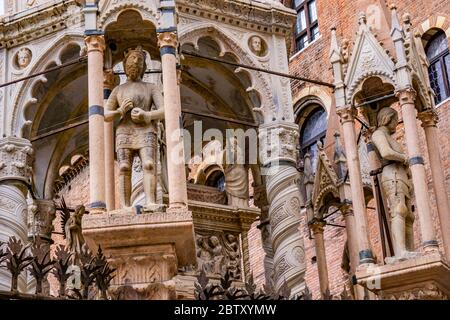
(424, 278)
(146, 249)
(221, 244)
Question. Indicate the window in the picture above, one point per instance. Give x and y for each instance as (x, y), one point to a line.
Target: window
(439, 71)
(307, 26)
(313, 130)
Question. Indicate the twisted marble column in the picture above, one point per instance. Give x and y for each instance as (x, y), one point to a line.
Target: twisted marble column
(278, 152)
(16, 157)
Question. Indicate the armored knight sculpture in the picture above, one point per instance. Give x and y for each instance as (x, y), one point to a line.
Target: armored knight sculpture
(140, 107)
(395, 183)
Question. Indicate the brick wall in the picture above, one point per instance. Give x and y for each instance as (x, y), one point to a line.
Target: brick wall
(313, 62)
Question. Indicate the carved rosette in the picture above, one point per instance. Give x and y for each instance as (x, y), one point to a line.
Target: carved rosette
(167, 39)
(16, 159)
(41, 214)
(95, 43)
(285, 203)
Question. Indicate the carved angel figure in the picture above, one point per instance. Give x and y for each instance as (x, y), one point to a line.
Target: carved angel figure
(71, 226)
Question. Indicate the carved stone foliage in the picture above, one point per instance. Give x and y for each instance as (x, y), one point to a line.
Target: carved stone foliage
(219, 253)
(41, 214)
(429, 291)
(278, 142)
(16, 158)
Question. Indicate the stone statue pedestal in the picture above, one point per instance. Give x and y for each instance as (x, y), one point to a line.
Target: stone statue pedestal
(146, 249)
(423, 278)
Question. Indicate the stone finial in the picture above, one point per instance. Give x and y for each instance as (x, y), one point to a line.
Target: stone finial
(362, 19)
(335, 51)
(396, 29)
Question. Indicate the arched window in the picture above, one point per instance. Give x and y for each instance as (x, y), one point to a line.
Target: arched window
(313, 130)
(439, 71)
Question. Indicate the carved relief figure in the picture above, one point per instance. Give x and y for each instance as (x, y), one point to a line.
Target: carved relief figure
(219, 253)
(233, 256)
(395, 182)
(236, 175)
(210, 255)
(73, 231)
(23, 58)
(257, 46)
(140, 107)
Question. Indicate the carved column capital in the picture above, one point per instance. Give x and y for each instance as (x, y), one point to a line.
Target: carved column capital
(346, 114)
(346, 209)
(109, 79)
(16, 159)
(278, 142)
(41, 214)
(429, 118)
(167, 39)
(95, 43)
(317, 225)
(406, 96)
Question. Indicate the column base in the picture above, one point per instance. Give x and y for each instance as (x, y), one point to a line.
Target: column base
(423, 278)
(146, 249)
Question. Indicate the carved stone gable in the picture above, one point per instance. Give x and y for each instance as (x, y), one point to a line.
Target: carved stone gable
(325, 181)
(368, 58)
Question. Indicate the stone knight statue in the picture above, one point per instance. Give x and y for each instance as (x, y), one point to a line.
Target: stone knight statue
(395, 183)
(140, 108)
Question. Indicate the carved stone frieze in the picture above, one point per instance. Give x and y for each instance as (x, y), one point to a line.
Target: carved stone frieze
(426, 277)
(206, 194)
(16, 159)
(37, 23)
(273, 16)
(429, 291)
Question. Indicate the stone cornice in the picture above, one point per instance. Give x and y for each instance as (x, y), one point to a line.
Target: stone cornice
(263, 17)
(38, 22)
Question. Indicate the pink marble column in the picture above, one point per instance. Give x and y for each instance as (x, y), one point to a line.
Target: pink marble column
(110, 195)
(357, 194)
(317, 227)
(429, 120)
(96, 47)
(168, 43)
(416, 163)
